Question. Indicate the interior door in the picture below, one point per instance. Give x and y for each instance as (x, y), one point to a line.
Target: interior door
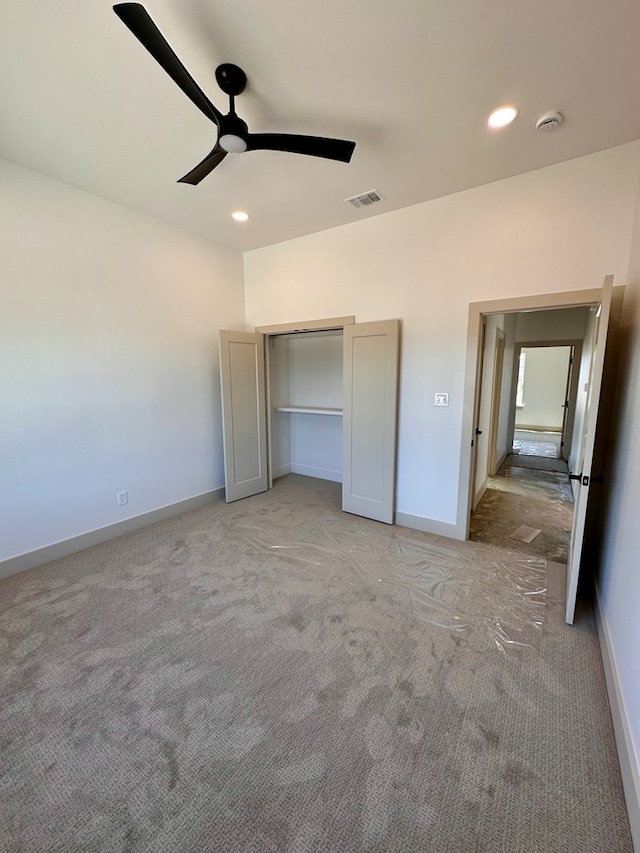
(244, 418)
(588, 444)
(370, 403)
(477, 432)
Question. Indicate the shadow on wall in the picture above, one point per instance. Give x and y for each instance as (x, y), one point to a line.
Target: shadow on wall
(618, 382)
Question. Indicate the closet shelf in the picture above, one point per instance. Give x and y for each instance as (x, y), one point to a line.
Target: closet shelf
(309, 410)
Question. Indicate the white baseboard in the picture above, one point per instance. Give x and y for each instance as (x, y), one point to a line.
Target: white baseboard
(320, 473)
(429, 525)
(94, 537)
(555, 430)
(629, 761)
(280, 471)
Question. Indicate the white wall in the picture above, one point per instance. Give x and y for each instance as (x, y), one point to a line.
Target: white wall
(316, 380)
(316, 369)
(544, 388)
(558, 324)
(109, 361)
(619, 581)
(556, 229)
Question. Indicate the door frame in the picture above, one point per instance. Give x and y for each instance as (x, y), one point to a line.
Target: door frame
(323, 325)
(477, 310)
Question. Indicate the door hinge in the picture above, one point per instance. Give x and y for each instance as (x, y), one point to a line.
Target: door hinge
(478, 431)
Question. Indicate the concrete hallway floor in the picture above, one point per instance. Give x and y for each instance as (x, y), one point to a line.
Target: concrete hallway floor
(516, 496)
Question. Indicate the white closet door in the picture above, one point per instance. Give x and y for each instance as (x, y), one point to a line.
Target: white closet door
(370, 415)
(243, 413)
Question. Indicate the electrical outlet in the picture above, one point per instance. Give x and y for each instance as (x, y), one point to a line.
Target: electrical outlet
(123, 498)
(441, 399)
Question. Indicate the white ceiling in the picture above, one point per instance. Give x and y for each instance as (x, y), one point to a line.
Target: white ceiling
(411, 81)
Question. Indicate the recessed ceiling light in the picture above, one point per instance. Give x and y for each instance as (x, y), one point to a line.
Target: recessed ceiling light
(502, 116)
(240, 215)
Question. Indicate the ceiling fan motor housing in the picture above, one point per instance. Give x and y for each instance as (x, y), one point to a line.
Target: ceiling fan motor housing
(233, 134)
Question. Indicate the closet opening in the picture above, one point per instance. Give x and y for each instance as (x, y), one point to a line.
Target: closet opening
(305, 404)
(318, 398)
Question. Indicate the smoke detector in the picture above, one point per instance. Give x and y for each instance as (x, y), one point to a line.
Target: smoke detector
(550, 120)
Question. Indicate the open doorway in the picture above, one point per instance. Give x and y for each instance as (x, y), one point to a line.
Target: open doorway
(528, 401)
(587, 453)
(545, 400)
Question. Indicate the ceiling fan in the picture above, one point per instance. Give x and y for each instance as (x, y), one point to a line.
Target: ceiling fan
(233, 133)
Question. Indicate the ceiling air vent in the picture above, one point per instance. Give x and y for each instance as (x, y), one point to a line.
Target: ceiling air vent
(365, 199)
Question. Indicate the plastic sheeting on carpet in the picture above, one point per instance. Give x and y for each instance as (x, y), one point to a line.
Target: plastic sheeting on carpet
(535, 448)
(498, 602)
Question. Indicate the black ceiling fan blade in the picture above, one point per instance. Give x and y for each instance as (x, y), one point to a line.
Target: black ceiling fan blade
(205, 167)
(315, 146)
(138, 20)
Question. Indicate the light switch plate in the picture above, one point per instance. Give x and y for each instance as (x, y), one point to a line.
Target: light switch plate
(441, 400)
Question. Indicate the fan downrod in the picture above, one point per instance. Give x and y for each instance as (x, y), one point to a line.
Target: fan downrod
(231, 79)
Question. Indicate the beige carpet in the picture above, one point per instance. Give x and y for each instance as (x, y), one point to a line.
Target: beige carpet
(275, 675)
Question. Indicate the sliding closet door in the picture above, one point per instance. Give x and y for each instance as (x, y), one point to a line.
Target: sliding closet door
(370, 416)
(243, 413)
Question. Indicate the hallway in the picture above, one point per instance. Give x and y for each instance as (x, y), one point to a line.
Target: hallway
(518, 495)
